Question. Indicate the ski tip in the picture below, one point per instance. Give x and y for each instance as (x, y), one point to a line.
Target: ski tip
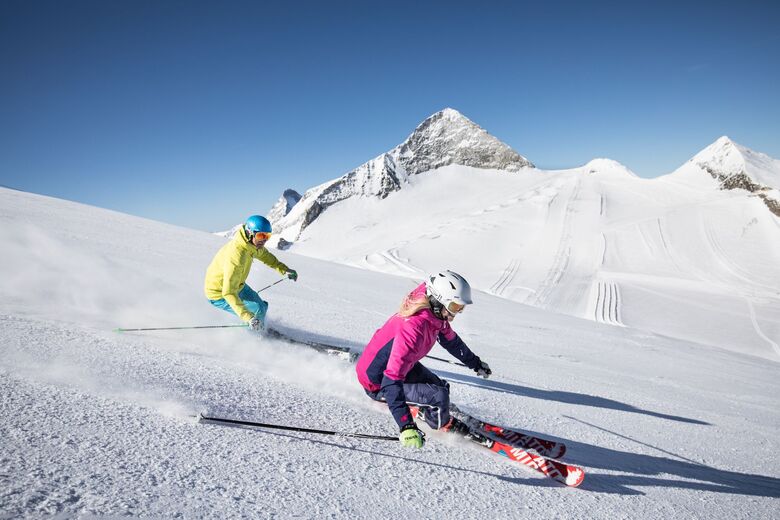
(574, 476)
(119, 331)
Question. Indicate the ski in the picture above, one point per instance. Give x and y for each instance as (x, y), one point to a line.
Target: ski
(545, 447)
(566, 474)
(341, 352)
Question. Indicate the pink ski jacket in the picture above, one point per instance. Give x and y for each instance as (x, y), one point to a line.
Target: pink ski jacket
(399, 345)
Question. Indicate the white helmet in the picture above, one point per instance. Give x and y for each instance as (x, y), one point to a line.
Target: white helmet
(449, 289)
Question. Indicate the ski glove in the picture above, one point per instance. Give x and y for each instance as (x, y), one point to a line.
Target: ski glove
(411, 437)
(292, 274)
(483, 370)
(256, 324)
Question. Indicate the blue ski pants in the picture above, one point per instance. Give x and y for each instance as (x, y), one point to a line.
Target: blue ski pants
(251, 299)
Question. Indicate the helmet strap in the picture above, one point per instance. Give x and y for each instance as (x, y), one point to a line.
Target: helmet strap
(436, 307)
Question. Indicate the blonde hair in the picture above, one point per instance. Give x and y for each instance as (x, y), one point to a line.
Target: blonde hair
(413, 304)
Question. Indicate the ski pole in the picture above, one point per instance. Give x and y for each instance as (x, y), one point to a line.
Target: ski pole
(446, 361)
(198, 327)
(267, 286)
(219, 420)
(182, 328)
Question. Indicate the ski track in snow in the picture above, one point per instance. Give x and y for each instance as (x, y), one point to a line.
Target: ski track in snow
(607, 309)
(731, 267)
(506, 278)
(560, 261)
(392, 257)
(757, 327)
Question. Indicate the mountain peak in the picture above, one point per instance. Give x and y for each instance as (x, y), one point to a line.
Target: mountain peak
(724, 156)
(444, 138)
(448, 137)
(444, 121)
(451, 114)
(284, 205)
(734, 166)
(608, 166)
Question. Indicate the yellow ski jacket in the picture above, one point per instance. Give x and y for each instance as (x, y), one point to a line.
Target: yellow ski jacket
(228, 271)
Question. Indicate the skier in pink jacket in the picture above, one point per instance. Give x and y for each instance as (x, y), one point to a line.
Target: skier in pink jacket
(389, 367)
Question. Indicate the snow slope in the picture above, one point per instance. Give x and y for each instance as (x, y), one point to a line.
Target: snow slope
(97, 423)
(683, 259)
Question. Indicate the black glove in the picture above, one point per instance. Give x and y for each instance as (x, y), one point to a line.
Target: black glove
(483, 370)
(292, 274)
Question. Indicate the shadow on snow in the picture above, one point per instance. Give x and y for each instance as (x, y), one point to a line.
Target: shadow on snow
(644, 467)
(560, 396)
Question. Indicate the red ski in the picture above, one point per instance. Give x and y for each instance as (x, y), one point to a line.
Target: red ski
(544, 447)
(566, 474)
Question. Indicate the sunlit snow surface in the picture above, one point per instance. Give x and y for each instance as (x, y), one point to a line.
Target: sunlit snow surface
(669, 255)
(98, 423)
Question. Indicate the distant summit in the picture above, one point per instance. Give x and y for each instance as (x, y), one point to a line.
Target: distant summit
(284, 205)
(733, 166)
(607, 167)
(447, 137)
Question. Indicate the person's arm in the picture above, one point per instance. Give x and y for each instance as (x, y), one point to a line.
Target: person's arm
(271, 261)
(453, 344)
(399, 363)
(231, 283)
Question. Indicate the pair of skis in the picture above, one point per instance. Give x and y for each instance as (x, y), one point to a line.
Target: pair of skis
(515, 445)
(511, 444)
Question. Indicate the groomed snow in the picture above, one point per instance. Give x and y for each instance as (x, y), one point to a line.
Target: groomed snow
(679, 259)
(100, 423)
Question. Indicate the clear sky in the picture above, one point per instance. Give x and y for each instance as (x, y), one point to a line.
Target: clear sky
(201, 113)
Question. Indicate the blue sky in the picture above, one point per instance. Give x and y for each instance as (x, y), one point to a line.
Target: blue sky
(201, 113)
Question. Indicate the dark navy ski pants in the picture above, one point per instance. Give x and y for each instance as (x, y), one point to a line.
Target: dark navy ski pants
(428, 391)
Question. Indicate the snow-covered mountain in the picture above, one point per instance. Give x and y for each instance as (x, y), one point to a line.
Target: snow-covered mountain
(284, 205)
(445, 138)
(97, 424)
(596, 242)
(734, 167)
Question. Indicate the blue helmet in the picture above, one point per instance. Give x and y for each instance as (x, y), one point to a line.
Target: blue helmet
(257, 224)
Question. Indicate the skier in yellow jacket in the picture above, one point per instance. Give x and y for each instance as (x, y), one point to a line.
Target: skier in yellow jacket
(226, 275)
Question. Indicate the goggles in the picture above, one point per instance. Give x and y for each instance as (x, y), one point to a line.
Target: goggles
(455, 308)
(262, 235)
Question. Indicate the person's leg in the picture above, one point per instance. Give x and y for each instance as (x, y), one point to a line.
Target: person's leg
(425, 389)
(251, 299)
(222, 304)
(254, 303)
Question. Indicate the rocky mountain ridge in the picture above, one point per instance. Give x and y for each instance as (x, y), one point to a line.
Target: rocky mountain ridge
(447, 137)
